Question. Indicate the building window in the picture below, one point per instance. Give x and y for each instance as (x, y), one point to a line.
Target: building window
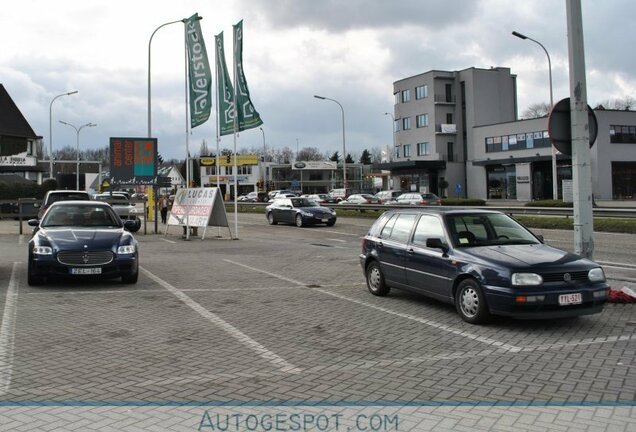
(450, 151)
(228, 169)
(406, 96)
(422, 149)
(421, 92)
(244, 170)
(622, 134)
(406, 123)
(449, 118)
(519, 141)
(397, 97)
(422, 120)
(396, 125)
(211, 170)
(397, 152)
(407, 150)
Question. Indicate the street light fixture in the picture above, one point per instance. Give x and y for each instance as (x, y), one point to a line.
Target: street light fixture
(149, 44)
(77, 130)
(344, 149)
(51, 130)
(555, 186)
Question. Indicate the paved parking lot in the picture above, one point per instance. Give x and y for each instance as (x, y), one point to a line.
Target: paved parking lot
(282, 317)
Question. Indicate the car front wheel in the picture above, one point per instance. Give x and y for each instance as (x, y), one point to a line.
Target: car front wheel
(32, 278)
(270, 218)
(375, 280)
(299, 221)
(471, 303)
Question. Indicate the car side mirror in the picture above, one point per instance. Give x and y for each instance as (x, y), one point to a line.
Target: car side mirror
(436, 243)
(129, 224)
(33, 222)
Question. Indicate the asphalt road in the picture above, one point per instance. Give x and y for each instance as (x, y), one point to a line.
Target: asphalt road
(282, 317)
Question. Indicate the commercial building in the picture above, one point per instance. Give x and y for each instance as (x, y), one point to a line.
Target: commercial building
(457, 135)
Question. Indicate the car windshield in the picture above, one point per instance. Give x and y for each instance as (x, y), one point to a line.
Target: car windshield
(303, 202)
(492, 229)
(80, 216)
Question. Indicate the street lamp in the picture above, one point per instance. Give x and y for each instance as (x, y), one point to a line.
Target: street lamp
(264, 161)
(555, 186)
(392, 134)
(51, 130)
(149, 43)
(344, 149)
(77, 130)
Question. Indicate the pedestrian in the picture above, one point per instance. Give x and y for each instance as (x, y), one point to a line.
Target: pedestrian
(163, 207)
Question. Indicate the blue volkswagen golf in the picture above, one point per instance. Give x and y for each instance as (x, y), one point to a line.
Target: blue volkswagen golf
(484, 262)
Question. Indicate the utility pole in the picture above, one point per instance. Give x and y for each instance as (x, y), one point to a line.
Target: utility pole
(581, 160)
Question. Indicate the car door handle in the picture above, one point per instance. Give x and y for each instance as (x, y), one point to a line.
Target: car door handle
(410, 251)
(380, 245)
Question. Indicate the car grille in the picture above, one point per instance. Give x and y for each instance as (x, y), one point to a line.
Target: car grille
(580, 276)
(87, 258)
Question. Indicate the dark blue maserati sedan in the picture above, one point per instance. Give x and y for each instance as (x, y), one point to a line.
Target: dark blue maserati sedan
(484, 262)
(82, 238)
(299, 211)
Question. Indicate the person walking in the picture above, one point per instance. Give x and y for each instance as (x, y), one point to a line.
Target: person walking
(163, 207)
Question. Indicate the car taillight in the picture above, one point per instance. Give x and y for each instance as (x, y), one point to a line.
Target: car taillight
(423, 202)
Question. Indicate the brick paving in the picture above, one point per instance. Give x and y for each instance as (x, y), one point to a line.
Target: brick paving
(92, 356)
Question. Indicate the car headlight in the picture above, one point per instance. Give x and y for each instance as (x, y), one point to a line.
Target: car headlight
(596, 275)
(304, 213)
(42, 250)
(126, 249)
(526, 279)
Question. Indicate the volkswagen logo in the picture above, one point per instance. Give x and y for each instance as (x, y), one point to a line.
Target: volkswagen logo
(567, 277)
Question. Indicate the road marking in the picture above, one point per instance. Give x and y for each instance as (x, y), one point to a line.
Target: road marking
(7, 331)
(343, 233)
(169, 241)
(282, 364)
(430, 323)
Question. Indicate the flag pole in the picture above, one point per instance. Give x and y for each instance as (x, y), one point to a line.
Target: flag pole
(236, 124)
(218, 123)
(187, 130)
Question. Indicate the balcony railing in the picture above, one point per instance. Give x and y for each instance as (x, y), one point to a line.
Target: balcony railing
(446, 128)
(443, 98)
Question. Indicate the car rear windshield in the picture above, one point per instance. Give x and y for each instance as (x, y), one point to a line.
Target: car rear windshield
(67, 196)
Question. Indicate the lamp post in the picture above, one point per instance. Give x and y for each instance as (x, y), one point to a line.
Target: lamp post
(51, 130)
(77, 130)
(555, 186)
(149, 44)
(264, 161)
(344, 149)
(392, 134)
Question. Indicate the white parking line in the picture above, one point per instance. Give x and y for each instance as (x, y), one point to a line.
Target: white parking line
(282, 364)
(434, 324)
(7, 332)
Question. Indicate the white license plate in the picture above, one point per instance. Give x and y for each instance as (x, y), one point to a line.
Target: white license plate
(86, 271)
(324, 220)
(570, 299)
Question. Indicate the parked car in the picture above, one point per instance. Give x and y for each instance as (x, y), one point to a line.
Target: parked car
(82, 238)
(281, 195)
(360, 199)
(299, 211)
(387, 195)
(418, 199)
(320, 198)
(60, 195)
(122, 206)
(273, 193)
(250, 197)
(483, 262)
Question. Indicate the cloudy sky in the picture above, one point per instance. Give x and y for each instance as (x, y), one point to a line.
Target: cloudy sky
(349, 50)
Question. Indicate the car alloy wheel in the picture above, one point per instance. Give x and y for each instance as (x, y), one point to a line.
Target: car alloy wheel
(375, 280)
(471, 303)
(299, 220)
(270, 218)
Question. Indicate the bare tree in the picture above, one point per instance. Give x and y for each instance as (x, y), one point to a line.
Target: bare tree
(536, 110)
(309, 154)
(627, 103)
(203, 149)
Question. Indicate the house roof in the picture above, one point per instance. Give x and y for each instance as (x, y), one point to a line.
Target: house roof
(12, 122)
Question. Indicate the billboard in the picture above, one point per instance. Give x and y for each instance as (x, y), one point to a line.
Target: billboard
(133, 161)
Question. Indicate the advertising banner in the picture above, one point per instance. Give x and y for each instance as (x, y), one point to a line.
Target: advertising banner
(133, 161)
(198, 207)
(199, 73)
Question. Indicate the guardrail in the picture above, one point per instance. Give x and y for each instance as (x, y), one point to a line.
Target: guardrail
(627, 213)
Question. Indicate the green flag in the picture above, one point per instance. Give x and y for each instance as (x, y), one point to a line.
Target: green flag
(248, 117)
(199, 73)
(225, 90)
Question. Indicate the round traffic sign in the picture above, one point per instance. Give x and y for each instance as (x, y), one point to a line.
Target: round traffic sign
(560, 127)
